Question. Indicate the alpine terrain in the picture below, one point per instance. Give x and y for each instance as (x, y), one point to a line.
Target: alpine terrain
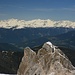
(16, 35)
(49, 60)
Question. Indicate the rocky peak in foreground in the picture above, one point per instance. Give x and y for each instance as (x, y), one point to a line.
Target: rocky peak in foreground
(49, 60)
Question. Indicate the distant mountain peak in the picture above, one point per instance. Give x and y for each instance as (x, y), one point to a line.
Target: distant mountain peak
(45, 62)
(18, 24)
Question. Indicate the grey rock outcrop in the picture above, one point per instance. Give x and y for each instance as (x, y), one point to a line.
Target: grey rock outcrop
(48, 61)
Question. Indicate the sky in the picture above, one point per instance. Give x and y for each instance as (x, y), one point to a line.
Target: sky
(37, 9)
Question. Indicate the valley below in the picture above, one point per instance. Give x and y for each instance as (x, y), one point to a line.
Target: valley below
(15, 38)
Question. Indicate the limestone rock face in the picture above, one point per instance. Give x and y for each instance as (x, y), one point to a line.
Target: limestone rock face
(48, 61)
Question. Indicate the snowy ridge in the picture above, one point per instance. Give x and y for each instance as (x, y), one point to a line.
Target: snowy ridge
(18, 24)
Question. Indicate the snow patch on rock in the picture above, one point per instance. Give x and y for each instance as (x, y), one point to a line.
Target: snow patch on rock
(49, 43)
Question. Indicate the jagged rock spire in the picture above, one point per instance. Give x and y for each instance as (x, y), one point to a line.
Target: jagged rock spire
(48, 61)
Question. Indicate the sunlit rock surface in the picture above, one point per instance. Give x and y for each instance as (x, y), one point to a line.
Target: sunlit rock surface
(48, 61)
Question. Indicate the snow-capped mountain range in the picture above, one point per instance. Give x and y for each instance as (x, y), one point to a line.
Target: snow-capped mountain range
(18, 24)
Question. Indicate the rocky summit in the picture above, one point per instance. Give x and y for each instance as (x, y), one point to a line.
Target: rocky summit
(49, 60)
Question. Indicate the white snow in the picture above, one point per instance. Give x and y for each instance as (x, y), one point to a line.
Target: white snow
(4, 74)
(8, 74)
(49, 43)
(18, 24)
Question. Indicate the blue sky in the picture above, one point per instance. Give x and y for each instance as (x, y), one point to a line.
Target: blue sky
(37, 9)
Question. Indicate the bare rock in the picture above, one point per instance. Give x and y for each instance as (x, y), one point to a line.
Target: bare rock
(48, 61)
